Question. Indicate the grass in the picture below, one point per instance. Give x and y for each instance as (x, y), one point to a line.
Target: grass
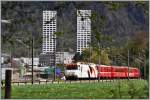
(103, 90)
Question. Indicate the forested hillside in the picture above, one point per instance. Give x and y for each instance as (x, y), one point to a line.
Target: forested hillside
(122, 20)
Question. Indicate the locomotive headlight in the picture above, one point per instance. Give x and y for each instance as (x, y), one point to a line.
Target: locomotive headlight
(72, 73)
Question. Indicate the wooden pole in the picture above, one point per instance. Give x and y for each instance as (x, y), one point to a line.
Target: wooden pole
(8, 76)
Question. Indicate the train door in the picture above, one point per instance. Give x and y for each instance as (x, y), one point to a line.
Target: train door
(79, 71)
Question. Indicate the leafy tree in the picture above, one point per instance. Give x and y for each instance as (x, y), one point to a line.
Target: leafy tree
(104, 58)
(78, 57)
(86, 55)
(95, 56)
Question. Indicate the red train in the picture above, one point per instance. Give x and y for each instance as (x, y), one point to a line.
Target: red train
(91, 70)
(117, 72)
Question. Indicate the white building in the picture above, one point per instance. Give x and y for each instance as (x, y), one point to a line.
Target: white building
(64, 57)
(28, 61)
(4, 57)
(61, 57)
(68, 57)
(83, 29)
(49, 28)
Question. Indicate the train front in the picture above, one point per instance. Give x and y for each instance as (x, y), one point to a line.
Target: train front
(71, 71)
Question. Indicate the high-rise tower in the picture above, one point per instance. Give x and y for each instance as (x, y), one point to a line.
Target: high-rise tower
(83, 29)
(49, 28)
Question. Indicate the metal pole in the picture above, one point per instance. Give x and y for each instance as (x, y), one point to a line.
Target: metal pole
(54, 57)
(145, 77)
(32, 58)
(99, 62)
(28, 54)
(90, 52)
(139, 66)
(128, 64)
(63, 43)
(99, 54)
(11, 57)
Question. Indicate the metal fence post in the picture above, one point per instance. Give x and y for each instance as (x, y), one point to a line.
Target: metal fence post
(8, 76)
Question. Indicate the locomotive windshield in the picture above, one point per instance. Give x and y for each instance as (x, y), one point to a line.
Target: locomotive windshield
(72, 67)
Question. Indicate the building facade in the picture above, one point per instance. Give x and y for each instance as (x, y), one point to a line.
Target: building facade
(47, 59)
(61, 58)
(83, 29)
(49, 28)
(64, 57)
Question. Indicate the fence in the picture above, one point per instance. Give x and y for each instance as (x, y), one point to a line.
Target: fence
(61, 81)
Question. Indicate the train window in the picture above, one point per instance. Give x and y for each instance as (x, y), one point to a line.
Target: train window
(133, 70)
(119, 70)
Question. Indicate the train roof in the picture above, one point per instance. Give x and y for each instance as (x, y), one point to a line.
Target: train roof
(117, 66)
(104, 65)
(71, 64)
(78, 63)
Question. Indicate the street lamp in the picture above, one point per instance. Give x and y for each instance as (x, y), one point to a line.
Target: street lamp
(32, 52)
(128, 64)
(32, 58)
(6, 21)
(22, 43)
(10, 21)
(54, 57)
(99, 60)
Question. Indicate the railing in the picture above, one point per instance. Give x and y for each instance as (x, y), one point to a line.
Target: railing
(61, 81)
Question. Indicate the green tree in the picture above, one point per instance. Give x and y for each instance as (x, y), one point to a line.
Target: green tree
(78, 57)
(104, 58)
(95, 56)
